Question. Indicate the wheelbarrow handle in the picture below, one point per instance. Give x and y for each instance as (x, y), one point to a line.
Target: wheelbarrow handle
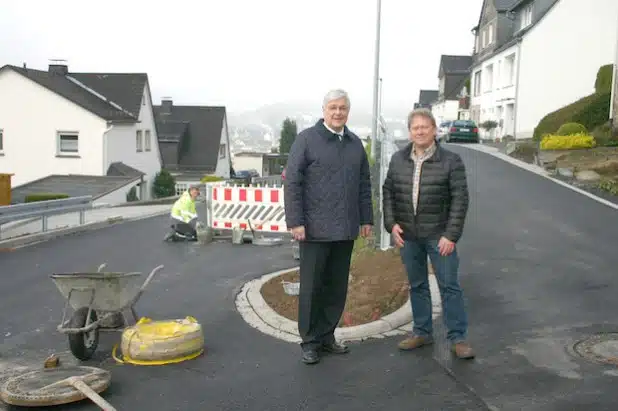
(150, 277)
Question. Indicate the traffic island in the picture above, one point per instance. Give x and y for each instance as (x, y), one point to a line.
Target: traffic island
(377, 306)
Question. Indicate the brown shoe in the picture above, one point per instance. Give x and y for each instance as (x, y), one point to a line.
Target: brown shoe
(463, 350)
(413, 342)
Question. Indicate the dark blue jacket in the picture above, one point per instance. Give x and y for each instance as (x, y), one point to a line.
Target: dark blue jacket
(327, 185)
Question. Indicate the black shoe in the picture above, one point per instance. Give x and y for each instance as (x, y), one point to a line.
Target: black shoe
(310, 357)
(335, 348)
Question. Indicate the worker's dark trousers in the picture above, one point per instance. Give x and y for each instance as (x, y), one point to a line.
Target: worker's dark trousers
(324, 273)
(183, 228)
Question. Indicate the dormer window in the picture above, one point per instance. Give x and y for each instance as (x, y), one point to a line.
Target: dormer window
(525, 16)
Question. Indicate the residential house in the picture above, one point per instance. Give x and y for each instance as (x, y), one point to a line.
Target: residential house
(453, 73)
(266, 164)
(426, 98)
(530, 58)
(194, 142)
(61, 127)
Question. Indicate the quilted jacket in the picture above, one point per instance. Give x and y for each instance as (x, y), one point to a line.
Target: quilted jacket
(443, 196)
(327, 185)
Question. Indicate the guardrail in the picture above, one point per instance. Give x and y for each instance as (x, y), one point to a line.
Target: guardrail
(45, 209)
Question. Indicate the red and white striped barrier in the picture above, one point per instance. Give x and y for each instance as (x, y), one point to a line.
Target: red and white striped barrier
(237, 206)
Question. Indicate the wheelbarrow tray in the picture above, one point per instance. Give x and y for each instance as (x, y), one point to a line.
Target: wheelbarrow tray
(101, 291)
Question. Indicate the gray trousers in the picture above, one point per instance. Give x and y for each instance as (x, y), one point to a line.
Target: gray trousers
(324, 273)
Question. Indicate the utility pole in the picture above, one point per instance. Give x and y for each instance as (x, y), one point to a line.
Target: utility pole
(613, 110)
(376, 84)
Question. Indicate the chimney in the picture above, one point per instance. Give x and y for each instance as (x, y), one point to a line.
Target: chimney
(58, 67)
(166, 105)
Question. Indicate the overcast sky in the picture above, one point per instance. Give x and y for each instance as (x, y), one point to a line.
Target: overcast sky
(245, 53)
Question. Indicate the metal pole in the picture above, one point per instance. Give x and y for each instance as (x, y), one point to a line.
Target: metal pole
(614, 83)
(376, 83)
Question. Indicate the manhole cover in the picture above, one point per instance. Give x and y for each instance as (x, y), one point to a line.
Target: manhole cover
(600, 348)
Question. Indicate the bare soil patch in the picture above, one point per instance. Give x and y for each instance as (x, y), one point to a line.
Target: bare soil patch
(378, 286)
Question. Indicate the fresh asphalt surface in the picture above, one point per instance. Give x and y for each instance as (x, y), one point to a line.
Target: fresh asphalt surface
(538, 266)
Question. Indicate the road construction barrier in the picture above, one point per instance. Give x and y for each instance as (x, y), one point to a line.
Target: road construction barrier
(258, 208)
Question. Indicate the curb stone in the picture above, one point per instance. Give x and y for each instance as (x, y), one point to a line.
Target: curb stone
(539, 171)
(258, 314)
(31, 239)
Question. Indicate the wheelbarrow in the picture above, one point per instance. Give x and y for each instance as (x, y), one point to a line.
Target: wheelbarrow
(96, 298)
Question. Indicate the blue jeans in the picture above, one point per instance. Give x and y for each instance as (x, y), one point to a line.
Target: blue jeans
(414, 256)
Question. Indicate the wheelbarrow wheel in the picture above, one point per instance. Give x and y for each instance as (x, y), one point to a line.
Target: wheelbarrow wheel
(83, 345)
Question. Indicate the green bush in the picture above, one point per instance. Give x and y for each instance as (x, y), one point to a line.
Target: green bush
(164, 184)
(568, 129)
(603, 83)
(132, 195)
(590, 111)
(605, 136)
(211, 179)
(31, 198)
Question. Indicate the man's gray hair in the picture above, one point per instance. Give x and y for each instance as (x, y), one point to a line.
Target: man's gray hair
(336, 95)
(421, 112)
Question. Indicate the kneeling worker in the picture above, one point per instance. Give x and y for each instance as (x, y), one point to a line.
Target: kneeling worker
(184, 215)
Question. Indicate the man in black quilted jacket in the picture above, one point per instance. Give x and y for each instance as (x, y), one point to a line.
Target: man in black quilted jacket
(425, 202)
(327, 205)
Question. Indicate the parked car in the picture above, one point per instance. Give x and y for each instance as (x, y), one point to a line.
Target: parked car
(462, 130)
(244, 176)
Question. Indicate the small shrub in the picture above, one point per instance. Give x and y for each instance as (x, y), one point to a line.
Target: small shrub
(569, 129)
(132, 195)
(611, 186)
(31, 198)
(210, 179)
(603, 83)
(164, 184)
(576, 141)
(604, 135)
(508, 138)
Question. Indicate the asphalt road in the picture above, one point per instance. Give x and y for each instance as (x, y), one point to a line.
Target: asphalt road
(242, 369)
(538, 268)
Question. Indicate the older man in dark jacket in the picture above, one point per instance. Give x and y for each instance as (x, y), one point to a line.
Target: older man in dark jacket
(425, 202)
(327, 203)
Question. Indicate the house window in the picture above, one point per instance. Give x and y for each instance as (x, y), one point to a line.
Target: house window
(477, 83)
(484, 38)
(138, 141)
(1, 140)
(222, 151)
(147, 145)
(509, 70)
(526, 16)
(489, 78)
(68, 143)
(490, 34)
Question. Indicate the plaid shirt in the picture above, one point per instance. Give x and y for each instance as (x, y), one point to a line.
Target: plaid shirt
(418, 165)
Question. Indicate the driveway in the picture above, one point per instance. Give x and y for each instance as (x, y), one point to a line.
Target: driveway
(243, 368)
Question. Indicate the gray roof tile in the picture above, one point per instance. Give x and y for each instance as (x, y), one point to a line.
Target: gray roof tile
(116, 97)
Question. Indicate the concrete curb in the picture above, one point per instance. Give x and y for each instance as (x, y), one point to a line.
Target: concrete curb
(258, 314)
(31, 239)
(539, 171)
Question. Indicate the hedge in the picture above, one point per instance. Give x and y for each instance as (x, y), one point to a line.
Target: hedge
(556, 142)
(31, 198)
(211, 179)
(590, 111)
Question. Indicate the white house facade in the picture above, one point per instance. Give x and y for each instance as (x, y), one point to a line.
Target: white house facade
(522, 70)
(44, 133)
(135, 145)
(54, 124)
(445, 110)
(493, 91)
(549, 79)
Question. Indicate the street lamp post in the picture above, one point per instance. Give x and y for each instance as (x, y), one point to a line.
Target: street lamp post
(376, 84)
